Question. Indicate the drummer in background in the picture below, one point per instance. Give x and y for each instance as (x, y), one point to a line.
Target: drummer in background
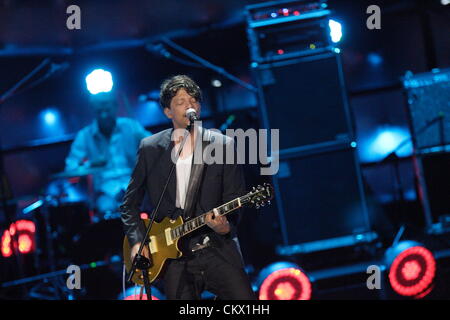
(109, 144)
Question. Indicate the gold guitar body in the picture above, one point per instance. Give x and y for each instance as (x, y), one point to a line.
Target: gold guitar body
(161, 246)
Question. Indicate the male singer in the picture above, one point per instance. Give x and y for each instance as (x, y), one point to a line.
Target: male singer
(211, 257)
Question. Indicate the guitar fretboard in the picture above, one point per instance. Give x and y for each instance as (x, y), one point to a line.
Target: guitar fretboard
(199, 221)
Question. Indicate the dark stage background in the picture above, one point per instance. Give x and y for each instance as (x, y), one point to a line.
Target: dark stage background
(125, 37)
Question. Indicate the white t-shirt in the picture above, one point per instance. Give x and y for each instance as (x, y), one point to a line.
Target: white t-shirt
(183, 174)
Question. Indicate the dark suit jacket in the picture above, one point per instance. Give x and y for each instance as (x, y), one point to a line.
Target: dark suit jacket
(219, 184)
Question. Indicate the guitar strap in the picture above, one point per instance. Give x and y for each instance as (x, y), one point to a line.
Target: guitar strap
(196, 175)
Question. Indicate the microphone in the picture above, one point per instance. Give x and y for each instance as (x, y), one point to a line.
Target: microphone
(191, 114)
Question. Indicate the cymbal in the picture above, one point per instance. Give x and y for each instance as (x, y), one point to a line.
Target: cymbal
(77, 173)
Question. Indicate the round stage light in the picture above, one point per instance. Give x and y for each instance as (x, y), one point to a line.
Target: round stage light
(412, 269)
(25, 243)
(49, 117)
(287, 283)
(335, 30)
(98, 81)
(133, 293)
(6, 244)
(136, 297)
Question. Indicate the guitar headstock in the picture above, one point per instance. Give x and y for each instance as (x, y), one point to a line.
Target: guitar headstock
(259, 196)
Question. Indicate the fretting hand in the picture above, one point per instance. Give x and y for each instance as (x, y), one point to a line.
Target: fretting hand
(217, 222)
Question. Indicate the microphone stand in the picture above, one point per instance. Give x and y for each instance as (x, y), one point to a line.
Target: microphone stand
(139, 261)
(392, 156)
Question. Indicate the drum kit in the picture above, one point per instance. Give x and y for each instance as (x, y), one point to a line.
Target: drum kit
(72, 228)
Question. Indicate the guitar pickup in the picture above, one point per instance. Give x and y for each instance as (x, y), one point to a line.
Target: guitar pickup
(169, 240)
(152, 244)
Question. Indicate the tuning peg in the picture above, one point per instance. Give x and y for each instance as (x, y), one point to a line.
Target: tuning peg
(257, 206)
(268, 202)
(263, 204)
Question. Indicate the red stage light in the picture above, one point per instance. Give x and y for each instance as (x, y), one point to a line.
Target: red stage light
(136, 297)
(25, 230)
(280, 51)
(286, 284)
(25, 243)
(6, 244)
(412, 272)
(144, 216)
(12, 229)
(26, 225)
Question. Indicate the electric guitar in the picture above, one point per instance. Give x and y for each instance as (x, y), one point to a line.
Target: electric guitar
(164, 236)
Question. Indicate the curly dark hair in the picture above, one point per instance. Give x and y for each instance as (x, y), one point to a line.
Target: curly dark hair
(170, 87)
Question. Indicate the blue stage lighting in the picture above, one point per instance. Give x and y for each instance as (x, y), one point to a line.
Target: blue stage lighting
(335, 30)
(375, 59)
(386, 141)
(49, 117)
(98, 81)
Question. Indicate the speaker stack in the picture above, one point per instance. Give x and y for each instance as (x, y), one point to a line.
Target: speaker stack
(319, 194)
(428, 101)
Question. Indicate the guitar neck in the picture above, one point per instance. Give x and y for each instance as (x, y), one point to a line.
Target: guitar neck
(199, 221)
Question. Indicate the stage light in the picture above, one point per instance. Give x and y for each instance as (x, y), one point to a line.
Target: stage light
(375, 59)
(412, 269)
(25, 243)
(136, 297)
(25, 230)
(385, 141)
(144, 215)
(335, 30)
(25, 225)
(445, 2)
(6, 244)
(50, 116)
(284, 281)
(132, 293)
(216, 83)
(98, 81)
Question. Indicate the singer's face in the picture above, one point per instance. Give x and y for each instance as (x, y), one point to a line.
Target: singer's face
(178, 106)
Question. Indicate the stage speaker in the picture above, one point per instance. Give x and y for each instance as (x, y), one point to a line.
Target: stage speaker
(320, 196)
(437, 179)
(305, 98)
(429, 108)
